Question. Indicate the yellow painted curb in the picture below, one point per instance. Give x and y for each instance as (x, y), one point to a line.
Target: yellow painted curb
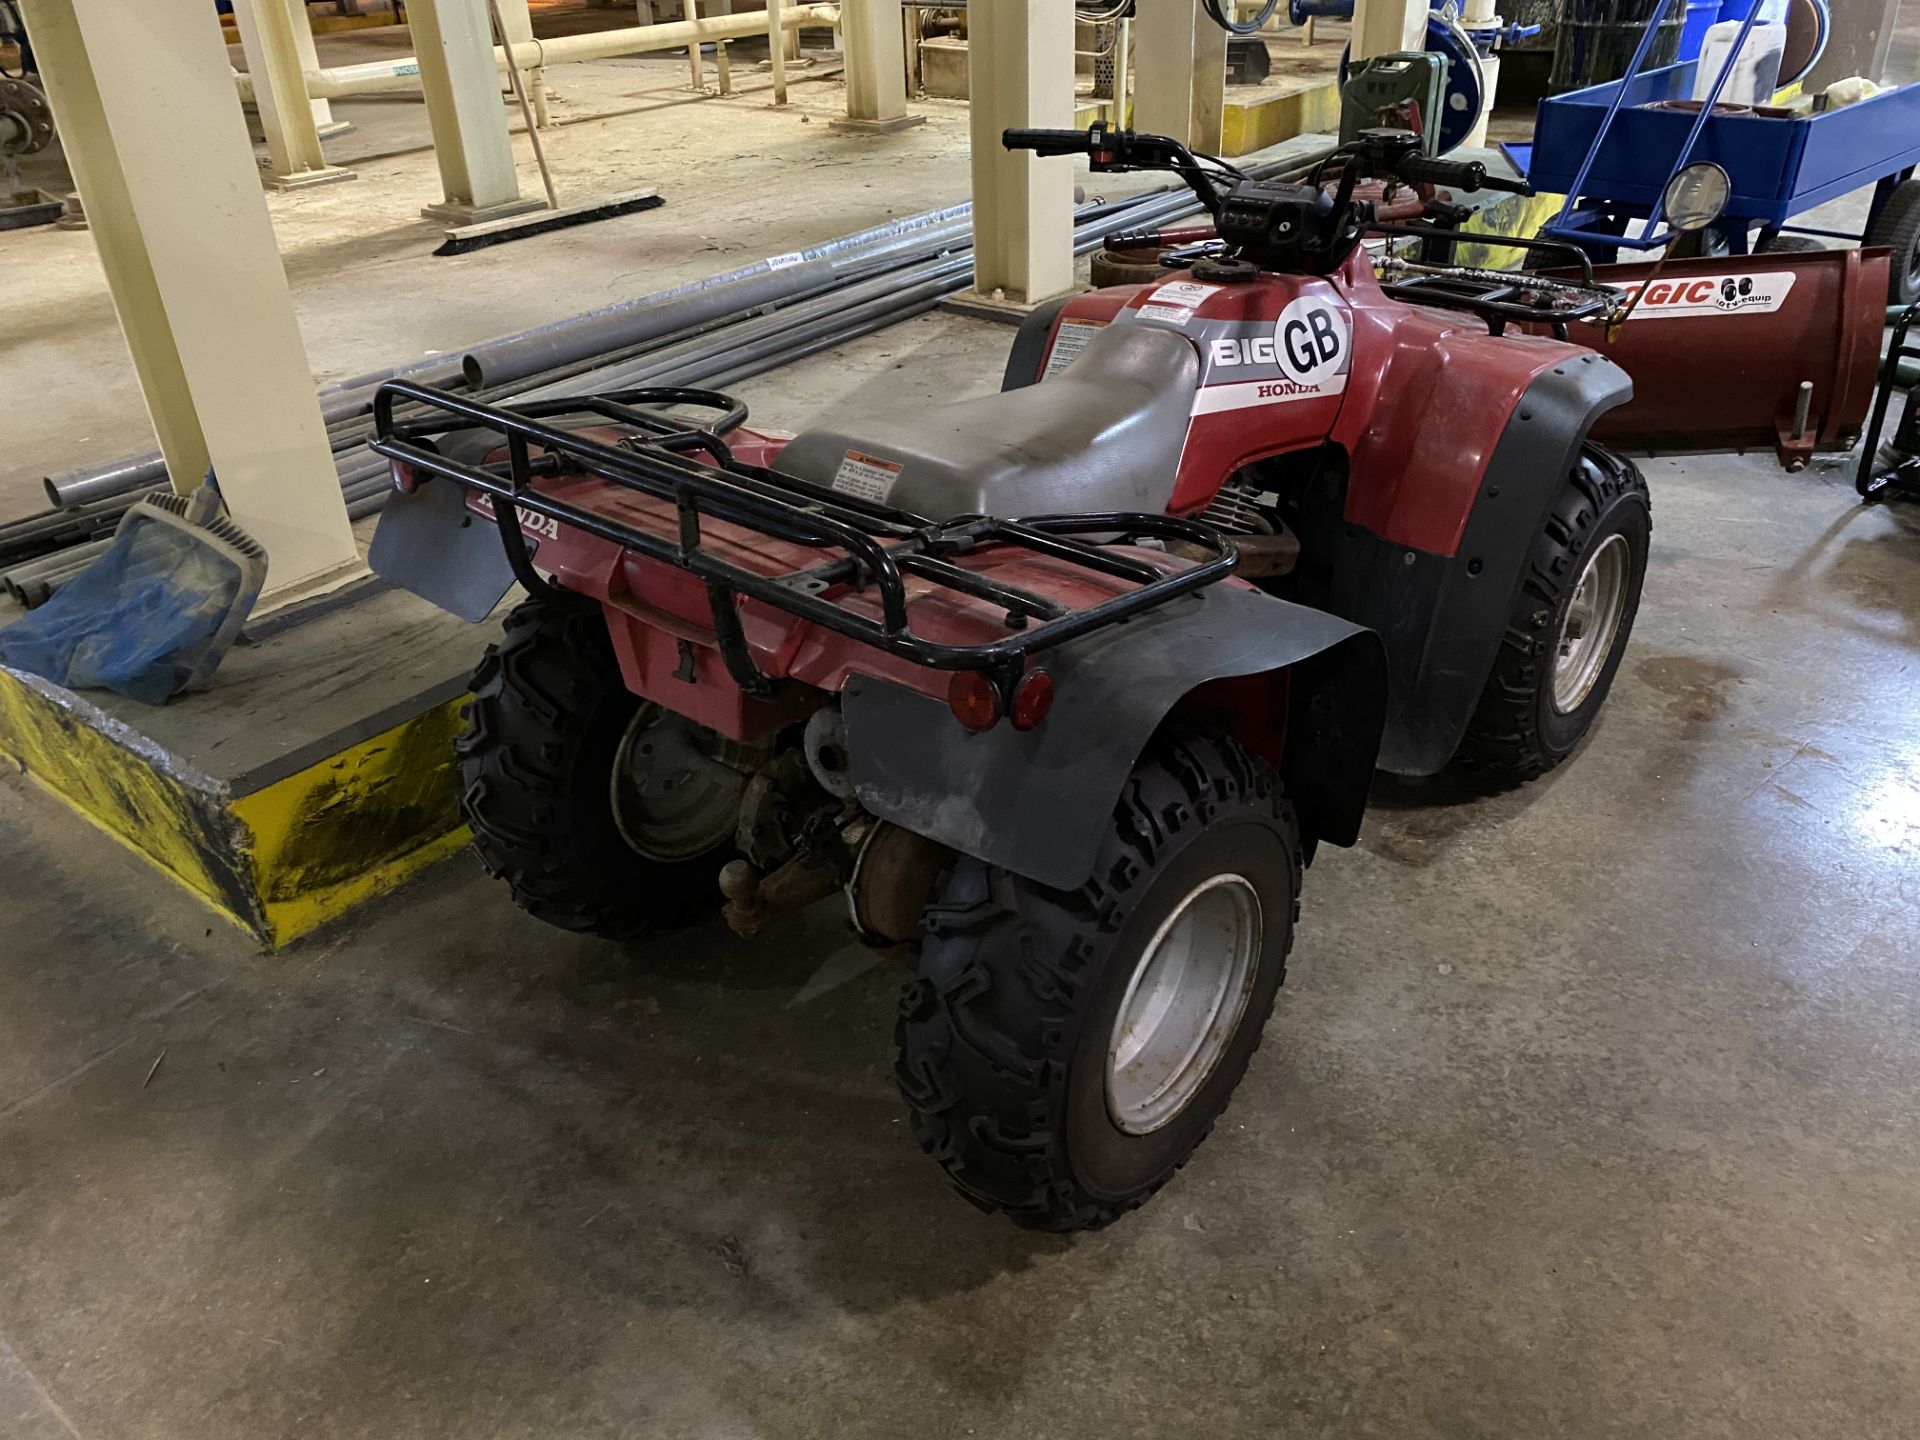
(354, 825)
(168, 813)
(277, 861)
(1255, 125)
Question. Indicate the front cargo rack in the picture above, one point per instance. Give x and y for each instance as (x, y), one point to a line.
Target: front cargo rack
(879, 545)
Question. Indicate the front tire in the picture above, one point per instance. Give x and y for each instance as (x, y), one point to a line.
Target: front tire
(1898, 228)
(1569, 622)
(1063, 1053)
(601, 812)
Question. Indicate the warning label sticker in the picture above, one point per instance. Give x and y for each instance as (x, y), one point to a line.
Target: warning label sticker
(1069, 342)
(865, 477)
(1172, 314)
(1183, 292)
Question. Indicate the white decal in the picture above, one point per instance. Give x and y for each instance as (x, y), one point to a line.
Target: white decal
(866, 477)
(1311, 339)
(1246, 394)
(533, 524)
(1257, 351)
(1183, 292)
(1759, 294)
(781, 262)
(1172, 314)
(1067, 345)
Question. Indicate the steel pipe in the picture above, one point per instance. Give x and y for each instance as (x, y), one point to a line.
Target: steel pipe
(78, 554)
(636, 321)
(103, 482)
(530, 352)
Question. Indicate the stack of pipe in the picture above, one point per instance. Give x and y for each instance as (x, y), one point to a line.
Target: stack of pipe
(712, 332)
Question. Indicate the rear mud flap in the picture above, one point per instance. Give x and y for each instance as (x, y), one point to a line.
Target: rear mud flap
(430, 543)
(1038, 802)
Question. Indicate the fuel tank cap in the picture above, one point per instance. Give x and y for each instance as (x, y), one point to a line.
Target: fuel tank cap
(1224, 272)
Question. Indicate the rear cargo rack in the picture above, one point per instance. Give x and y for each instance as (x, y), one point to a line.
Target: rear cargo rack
(879, 546)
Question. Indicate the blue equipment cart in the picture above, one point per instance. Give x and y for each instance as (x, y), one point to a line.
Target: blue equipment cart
(1610, 149)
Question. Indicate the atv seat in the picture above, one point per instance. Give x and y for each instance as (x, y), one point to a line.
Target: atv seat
(1104, 434)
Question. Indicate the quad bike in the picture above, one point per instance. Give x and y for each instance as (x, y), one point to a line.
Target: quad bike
(1062, 686)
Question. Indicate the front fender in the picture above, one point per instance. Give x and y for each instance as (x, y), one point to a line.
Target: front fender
(1443, 614)
(1038, 802)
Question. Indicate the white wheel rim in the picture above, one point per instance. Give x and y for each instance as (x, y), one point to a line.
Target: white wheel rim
(674, 794)
(1183, 1003)
(1590, 623)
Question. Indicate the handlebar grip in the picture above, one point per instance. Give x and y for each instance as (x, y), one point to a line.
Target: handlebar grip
(1047, 142)
(1467, 175)
(1522, 186)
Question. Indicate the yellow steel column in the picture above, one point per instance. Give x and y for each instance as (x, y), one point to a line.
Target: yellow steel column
(460, 79)
(310, 60)
(1207, 127)
(518, 21)
(189, 254)
(1020, 64)
(1180, 73)
(270, 41)
(876, 67)
(1386, 27)
(777, 51)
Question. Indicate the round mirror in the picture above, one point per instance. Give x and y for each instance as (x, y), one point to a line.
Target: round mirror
(1696, 196)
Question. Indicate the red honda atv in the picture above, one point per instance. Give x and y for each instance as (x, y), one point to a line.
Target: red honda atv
(1061, 686)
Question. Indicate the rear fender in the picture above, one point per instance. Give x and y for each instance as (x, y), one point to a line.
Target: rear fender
(1038, 802)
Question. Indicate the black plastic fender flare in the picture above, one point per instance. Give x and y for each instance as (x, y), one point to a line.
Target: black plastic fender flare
(1037, 802)
(1444, 616)
(1030, 343)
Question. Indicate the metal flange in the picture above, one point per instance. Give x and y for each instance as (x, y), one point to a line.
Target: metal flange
(26, 122)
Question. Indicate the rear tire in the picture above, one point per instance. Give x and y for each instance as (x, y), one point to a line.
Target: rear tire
(1549, 679)
(1008, 1037)
(550, 719)
(1787, 245)
(1898, 228)
(1706, 244)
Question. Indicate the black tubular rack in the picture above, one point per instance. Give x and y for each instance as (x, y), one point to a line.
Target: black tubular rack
(878, 546)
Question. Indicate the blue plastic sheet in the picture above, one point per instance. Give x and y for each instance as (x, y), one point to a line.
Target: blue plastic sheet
(139, 620)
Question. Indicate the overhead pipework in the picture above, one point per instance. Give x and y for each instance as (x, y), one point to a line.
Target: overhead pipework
(402, 73)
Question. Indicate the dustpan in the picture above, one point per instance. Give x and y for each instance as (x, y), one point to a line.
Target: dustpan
(156, 612)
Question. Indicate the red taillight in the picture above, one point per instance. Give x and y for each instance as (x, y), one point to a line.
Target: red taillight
(1032, 699)
(404, 479)
(974, 700)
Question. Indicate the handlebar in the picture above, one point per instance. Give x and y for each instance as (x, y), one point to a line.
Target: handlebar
(1049, 142)
(1468, 175)
(1109, 150)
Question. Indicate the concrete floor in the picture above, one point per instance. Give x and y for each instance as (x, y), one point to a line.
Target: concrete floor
(1588, 1109)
